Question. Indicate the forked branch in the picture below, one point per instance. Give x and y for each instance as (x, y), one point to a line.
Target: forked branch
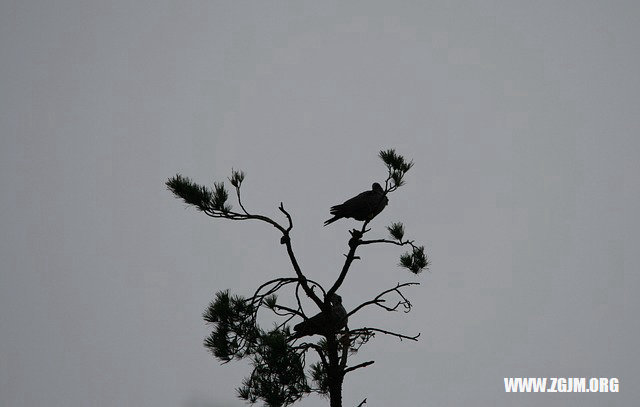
(378, 300)
(371, 331)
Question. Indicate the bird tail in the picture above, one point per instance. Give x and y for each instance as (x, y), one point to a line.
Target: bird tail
(335, 210)
(300, 330)
(335, 218)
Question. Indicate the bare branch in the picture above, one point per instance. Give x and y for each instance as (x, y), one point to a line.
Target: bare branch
(395, 242)
(296, 267)
(356, 235)
(286, 240)
(373, 330)
(214, 213)
(240, 200)
(352, 368)
(289, 311)
(285, 322)
(298, 300)
(279, 283)
(378, 299)
(320, 353)
(270, 288)
(281, 207)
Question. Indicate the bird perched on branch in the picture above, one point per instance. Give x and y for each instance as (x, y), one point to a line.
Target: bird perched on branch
(364, 206)
(323, 323)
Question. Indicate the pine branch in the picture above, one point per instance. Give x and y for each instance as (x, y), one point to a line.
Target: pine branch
(416, 261)
(397, 167)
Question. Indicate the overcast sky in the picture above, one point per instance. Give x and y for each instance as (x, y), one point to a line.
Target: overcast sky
(522, 118)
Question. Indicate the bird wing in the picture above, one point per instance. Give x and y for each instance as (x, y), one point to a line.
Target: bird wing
(361, 207)
(311, 326)
(367, 205)
(358, 206)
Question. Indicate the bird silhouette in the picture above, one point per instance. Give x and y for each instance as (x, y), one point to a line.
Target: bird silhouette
(364, 206)
(324, 323)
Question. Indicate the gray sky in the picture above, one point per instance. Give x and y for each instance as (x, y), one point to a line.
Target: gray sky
(522, 119)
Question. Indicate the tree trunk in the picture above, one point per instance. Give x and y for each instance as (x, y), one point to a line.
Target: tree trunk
(335, 394)
(334, 373)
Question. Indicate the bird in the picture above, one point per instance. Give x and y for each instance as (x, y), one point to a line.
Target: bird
(323, 323)
(364, 206)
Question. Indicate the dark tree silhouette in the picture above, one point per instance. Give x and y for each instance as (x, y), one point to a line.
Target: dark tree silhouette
(283, 370)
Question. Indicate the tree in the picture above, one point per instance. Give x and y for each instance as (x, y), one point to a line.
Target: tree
(282, 368)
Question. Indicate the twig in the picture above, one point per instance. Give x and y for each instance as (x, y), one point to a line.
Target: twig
(352, 368)
(214, 213)
(281, 207)
(370, 330)
(378, 299)
(401, 243)
(296, 267)
(239, 200)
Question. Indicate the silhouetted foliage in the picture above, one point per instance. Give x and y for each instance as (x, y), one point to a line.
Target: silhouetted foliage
(278, 375)
(281, 372)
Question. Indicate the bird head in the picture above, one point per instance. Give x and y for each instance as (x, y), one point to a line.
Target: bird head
(377, 188)
(335, 299)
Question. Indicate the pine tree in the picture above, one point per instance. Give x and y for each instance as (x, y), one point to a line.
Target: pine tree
(281, 359)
